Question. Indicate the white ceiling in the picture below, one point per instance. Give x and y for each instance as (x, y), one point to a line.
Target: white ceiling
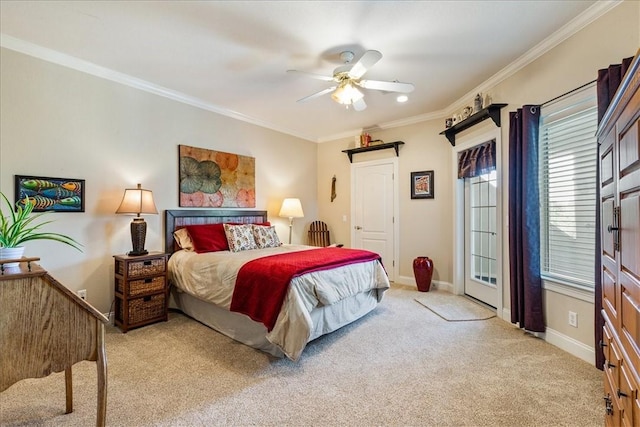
(231, 57)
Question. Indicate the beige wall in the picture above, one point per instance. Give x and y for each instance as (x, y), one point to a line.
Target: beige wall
(426, 226)
(63, 123)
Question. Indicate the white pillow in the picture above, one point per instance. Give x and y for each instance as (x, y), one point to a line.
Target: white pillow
(240, 237)
(265, 236)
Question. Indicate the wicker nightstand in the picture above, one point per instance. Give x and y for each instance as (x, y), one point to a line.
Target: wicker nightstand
(141, 290)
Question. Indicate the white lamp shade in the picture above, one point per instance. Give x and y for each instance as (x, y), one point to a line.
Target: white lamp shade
(291, 208)
(137, 201)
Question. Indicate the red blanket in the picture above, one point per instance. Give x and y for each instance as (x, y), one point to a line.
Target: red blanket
(262, 284)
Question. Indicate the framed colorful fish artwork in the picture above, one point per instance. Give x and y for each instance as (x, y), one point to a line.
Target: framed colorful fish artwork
(50, 194)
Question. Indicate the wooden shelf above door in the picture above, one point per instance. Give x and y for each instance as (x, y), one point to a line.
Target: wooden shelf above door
(491, 112)
(395, 145)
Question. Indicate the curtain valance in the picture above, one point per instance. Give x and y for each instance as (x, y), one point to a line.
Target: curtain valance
(477, 160)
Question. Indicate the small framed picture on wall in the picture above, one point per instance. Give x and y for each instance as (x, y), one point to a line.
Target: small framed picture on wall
(422, 185)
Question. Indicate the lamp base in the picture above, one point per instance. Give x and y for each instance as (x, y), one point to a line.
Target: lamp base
(138, 253)
(138, 235)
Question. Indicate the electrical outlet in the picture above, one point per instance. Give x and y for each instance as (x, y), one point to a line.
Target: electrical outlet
(82, 293)
(573, 319)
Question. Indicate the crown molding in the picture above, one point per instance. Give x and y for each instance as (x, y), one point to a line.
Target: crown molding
(81, 65)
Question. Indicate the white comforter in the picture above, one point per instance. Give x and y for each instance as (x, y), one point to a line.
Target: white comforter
(211, 277)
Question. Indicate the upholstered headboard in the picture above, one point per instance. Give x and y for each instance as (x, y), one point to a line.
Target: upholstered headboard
(176, 219)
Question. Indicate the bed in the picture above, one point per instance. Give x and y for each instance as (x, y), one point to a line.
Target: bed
(319, 300)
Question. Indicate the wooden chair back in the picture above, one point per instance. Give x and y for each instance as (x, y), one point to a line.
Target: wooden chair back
(319, 234)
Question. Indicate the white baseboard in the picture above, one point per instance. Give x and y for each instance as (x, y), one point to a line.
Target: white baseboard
(435, 284)
(570, 345)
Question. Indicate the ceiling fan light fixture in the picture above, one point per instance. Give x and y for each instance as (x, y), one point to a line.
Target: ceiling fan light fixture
(402, 98)
(347, 94)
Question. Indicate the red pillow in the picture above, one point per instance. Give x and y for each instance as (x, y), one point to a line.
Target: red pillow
(210, 237)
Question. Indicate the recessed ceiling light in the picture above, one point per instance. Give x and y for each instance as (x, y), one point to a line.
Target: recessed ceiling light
(402, 98)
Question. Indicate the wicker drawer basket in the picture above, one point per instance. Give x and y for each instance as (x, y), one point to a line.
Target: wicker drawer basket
(141, 287)
(143, 267)
(142, 309)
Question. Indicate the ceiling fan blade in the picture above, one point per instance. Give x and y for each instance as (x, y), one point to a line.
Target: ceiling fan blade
(317, 94)
(387, 86)
(359, 105)
(313, 76)
(365, 62)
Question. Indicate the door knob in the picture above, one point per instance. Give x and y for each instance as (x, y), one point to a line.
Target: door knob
(357, 227)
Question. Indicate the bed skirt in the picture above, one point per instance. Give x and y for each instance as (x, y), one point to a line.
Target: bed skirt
(241, 328)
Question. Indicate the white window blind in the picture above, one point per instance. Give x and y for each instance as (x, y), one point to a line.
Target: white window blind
(568, 161)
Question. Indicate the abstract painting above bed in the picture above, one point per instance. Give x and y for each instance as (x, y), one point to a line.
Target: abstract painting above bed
(309, 300)
(216, 179)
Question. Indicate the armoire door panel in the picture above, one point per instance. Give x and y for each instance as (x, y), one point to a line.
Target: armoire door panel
(612, 403)
(630, 234)
(606, 166)
(607, 338)
(629, 314)
(628, 391)
(609, 291)
(607, 220)
(628, 149)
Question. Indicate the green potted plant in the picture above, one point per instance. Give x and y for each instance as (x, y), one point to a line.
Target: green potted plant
(19, 226)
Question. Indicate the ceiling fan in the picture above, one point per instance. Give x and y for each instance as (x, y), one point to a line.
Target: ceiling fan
(347, 78)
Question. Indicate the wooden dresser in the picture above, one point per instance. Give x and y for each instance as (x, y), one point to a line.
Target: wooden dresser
(46, 328)
(619, 139)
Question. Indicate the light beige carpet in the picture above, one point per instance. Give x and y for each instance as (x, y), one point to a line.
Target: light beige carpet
(401, 365)
(454, 308)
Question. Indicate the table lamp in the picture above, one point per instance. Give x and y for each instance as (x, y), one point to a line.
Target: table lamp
(137, 201)
(291, 208)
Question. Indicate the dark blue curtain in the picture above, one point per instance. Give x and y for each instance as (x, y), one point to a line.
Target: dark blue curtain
(524, 219)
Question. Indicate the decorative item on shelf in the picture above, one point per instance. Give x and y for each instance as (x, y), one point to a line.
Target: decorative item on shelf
(448, 122)
(466, 112)
(376, 142)
(137, 201)
(365, 140)
(291, 208)
(487, 100)
(18, 227)
(477, 103)
(423, 272)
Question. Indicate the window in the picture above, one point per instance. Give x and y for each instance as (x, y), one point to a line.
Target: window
(482, 201)
(568, 161)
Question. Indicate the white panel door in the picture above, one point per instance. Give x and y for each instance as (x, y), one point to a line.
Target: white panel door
(373, 211)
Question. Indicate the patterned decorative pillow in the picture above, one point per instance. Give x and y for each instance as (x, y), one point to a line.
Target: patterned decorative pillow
(240, 237)
(183, 239)
(266, 237)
